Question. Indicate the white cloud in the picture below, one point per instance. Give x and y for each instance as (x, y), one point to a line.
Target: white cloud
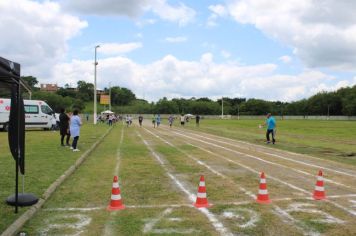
(217, 11)
(117, 48)
(171, 77)
(322, 33)
(35, 34)
(179, 13)
(180, 39)
(285, 59)
(225, 54)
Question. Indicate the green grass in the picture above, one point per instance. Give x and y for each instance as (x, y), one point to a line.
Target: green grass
(144, 182)
(46, 160)
(335, 140)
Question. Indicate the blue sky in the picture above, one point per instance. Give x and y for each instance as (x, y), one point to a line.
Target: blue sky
(273, 50)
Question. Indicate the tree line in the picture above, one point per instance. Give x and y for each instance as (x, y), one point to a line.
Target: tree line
(124, 101)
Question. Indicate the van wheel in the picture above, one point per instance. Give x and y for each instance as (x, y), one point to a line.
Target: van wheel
(5, 127)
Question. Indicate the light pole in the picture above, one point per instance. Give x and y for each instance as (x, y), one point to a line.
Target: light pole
(110, 96)
(222, 107)
(95, 64)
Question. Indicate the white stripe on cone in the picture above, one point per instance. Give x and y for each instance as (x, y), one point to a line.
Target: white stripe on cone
(116, 197)
(115, 185)
(201, 184)
(262, 191)
(201, 195)
(320, 178)
(263, 181)
(318, 188)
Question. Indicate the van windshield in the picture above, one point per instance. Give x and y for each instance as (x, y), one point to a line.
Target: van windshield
(45, 109)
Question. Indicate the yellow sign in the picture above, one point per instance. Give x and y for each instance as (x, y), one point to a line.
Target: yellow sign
(104, 99)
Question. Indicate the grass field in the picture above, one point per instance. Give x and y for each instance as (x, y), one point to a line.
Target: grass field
(159, 172)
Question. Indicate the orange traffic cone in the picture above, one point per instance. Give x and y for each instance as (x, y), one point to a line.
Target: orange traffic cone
(262, 196)
(202, 200)
(319, 192)
(116, 202)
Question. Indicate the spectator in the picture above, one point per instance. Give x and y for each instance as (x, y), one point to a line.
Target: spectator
(75, 123)
(64, 127)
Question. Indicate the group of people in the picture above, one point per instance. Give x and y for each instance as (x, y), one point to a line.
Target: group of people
(69, 126)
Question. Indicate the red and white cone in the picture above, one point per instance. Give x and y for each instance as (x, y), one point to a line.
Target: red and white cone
(116, 201)
(263, 196)
(319, 191)
(202, 200)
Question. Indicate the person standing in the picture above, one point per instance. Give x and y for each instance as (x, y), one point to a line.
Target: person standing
(271, 127)
(64, 127)
(197, 120)
(140, 119)
(170, 121)
(182, 120)
(127, 119)
(158, 120)
(154, 121)
(111, 117)
(75, 123)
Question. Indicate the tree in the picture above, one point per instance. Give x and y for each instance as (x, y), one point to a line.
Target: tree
(121, 96)
(31, 81)
(85, 90)
(163, 106)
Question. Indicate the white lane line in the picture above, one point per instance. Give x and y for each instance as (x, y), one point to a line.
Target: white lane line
(99, 208)
(108, 230)
(212, 218)
(246, 192)
(270, 177)
(118, 153)
(287, 218)
(188, 155)
(269, 162)
(342, 172)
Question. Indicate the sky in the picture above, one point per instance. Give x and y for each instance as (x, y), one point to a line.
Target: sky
(265, 49)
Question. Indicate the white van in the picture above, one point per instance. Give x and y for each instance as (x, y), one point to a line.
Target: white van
(37, 114)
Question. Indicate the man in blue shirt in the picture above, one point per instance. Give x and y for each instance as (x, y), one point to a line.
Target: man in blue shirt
(271, 127)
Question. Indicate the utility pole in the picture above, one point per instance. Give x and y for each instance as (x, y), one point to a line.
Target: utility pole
(222, 107)
(95, 64)
(110, 96)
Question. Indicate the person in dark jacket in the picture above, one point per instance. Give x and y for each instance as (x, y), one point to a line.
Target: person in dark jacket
(64, 127)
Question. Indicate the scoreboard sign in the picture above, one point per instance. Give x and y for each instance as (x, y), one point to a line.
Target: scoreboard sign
(104, 99)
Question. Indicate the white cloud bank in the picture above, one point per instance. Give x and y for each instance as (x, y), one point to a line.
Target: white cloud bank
(322, 33)
(179, 13)
(171, 77)
(35, 34)
(179, 39)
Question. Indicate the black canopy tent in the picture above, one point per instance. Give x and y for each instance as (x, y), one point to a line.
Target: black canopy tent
(10, 78)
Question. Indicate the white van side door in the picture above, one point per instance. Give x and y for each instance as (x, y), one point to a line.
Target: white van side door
(32, 115)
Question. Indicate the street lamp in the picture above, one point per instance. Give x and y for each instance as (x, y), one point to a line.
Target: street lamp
(222, 107)
(95, 64)
(110, 96)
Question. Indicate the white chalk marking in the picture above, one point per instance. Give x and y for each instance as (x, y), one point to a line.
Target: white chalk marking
(188, 155)
(271, 177)
(108, 225)
(263, 160)
(342, 172)
(77, 227)
(212, 218)
(288, 219)
(151, 223)
(244, 218)
(307, 208)
(248, 193)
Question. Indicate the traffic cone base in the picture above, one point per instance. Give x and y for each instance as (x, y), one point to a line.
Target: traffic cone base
(111, 208)
(116, 201)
